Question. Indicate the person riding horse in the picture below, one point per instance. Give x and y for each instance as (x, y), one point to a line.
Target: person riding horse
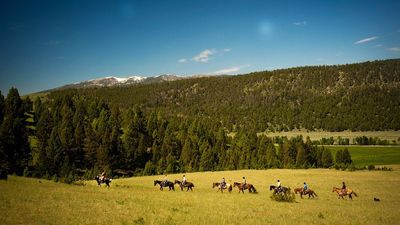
(223, 183)
(244, 183)
(102, 176)
(164, 184)
(343, 188)
(279, 186)
(305, 188)
(184, 180)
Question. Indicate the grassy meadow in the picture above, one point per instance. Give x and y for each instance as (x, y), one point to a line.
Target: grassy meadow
(318, 135)
(371, 155)
(137, 201)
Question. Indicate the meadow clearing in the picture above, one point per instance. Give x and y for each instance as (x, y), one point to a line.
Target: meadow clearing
(318, 135)
(370, 154)
(136, 201)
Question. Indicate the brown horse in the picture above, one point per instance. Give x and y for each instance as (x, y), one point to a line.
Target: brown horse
(301, 191)
(242, 187)
(227, 186)
(188, 185)
(348, 192)
(162, 184)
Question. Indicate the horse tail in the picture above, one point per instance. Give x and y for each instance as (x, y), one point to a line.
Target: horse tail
(315, 193)
(254, 189)
(355, 194)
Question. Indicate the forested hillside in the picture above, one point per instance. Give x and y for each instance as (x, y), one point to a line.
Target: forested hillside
(197, 124)
(362, 96)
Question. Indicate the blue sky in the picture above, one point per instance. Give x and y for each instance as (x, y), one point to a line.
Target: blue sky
(45, 44)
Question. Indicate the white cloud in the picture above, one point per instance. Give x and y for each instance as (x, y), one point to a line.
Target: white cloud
(227, 50)
(182, 60)
(300, 23)
(230, 70)
(394, 49)
(366, 40)
(378, 46)
(204, 56)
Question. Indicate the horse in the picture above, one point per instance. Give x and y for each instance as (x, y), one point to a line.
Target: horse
(188, 185)
(227, 186)
(105, 180)
(163, 184)
(340, 193)
(278, 190)
(241, 188)
(308, 192)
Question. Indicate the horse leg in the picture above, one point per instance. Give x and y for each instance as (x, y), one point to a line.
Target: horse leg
(350, 196)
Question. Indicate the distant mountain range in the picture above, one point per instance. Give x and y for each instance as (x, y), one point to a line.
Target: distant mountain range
(122, 81)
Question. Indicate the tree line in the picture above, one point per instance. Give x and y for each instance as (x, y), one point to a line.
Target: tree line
(72, 135)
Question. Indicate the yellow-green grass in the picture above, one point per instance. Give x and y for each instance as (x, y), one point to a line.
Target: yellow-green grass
(137, 201)
(371, 155)
(318, 135)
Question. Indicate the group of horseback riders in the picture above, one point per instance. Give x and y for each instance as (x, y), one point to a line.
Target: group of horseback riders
(224, 185)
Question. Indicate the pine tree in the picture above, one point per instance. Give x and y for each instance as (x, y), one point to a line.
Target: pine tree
(206, 160)
(346, 157)
(339, 157)
(301, 157)
(2, 105)
(13, 134)
(327, 159)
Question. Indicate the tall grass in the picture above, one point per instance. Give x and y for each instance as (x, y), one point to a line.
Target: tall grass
(137, 201)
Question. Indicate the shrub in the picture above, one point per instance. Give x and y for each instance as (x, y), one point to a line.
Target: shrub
(288, 196)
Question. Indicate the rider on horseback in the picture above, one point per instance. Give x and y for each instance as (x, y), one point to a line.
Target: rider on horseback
(343, 188)
(183, 180)
(165, 180)
(278, 186)
(305, 188)
(244, 183)
(102, 176)
(223, 183)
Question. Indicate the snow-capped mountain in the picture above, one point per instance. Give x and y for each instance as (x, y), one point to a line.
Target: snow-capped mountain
(121, 81)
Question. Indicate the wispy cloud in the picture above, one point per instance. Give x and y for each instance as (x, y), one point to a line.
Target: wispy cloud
(227, 50)
(365, 40)
(378, 46)
(300, 23)
(204, 56)
(394, 49)
(230, 70)
(182, 60)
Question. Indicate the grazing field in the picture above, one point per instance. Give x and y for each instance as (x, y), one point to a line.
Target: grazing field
(318, 135)
(137, 201)
(371, 155)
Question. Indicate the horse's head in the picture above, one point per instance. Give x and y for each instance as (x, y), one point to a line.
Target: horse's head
(334, 189)
(214, 185)
(177, 182)
(155, 182)
(235, 184)
(271, 187)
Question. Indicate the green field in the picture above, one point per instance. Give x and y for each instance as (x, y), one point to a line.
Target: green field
(137, 201)
(318, 135)
(371, 155)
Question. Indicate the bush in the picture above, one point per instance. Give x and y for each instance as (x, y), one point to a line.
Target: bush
(371, 167)
(288, 196)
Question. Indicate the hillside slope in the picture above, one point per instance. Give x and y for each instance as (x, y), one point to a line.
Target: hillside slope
(363, 96)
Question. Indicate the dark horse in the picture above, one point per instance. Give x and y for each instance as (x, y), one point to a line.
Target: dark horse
(163, 184)
(188, 185)
(308, 192)
(227, 186)
(242, 187)
(105, 180)
(277, 190)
